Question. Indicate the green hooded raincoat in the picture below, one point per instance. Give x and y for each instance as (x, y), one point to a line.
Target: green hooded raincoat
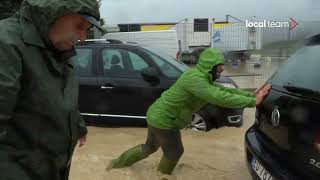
(193, 90)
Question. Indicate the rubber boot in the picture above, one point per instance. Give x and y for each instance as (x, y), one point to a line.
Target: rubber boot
(128, 158)
(166, 166)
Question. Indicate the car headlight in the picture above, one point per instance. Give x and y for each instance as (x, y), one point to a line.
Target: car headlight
(229, 85)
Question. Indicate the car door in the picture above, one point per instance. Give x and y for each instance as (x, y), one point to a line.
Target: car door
(84, 65)
(124, 93)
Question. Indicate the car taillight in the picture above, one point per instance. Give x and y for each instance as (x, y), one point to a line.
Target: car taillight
(317, 141)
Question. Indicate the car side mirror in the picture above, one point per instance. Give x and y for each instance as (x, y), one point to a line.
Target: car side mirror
(151, 75)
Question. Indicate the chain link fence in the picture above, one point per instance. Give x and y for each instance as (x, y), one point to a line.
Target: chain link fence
(251, 74)
(252, 54)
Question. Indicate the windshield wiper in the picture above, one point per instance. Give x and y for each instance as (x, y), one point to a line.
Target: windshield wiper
(302, 90)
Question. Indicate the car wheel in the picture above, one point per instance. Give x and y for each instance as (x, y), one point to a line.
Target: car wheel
(199, 122)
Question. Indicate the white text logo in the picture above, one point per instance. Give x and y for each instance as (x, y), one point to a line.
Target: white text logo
(265, 23)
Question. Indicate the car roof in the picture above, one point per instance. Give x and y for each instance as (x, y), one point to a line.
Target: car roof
(104, 42)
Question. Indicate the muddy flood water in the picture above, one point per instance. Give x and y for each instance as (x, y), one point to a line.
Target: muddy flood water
(215, 155)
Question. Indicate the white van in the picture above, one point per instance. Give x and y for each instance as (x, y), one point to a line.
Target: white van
(164, 40)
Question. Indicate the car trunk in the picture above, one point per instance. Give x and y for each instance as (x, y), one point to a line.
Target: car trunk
(290, 125)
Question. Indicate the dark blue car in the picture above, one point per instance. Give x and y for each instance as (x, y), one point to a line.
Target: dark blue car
(119, 81)
(284, 142)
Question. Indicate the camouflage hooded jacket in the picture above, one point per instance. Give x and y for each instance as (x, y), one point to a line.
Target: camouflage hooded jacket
(39, 117)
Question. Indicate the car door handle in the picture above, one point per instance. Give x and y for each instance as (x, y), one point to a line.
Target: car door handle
(107, 87)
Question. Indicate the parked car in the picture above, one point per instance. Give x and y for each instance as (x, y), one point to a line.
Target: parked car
(284, 142)
(119, 81)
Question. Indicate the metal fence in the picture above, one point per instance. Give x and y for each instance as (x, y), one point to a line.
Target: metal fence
(251, 74)
(230, 36)
(253, 54)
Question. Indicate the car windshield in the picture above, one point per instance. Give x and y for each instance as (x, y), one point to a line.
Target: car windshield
(302, 70)
(181, 66)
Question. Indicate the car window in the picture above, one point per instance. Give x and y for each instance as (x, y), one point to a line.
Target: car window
(122, 63)
(83, 61)
(301, 70)
(138, 63)
(178, 64)
(112, 58)
(166, 68)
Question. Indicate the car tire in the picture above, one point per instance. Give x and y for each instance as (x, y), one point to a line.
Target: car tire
(200, 122)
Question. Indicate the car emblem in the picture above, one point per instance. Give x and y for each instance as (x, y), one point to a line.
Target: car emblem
(275, 117)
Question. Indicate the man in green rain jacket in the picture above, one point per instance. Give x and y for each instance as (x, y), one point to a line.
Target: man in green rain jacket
(173, 110)
(39, 119)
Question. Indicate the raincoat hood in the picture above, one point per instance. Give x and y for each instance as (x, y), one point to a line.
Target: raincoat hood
(209, 58)
(42, 13)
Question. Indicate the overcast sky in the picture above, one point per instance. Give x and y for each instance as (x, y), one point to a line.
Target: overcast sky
(150, 11)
